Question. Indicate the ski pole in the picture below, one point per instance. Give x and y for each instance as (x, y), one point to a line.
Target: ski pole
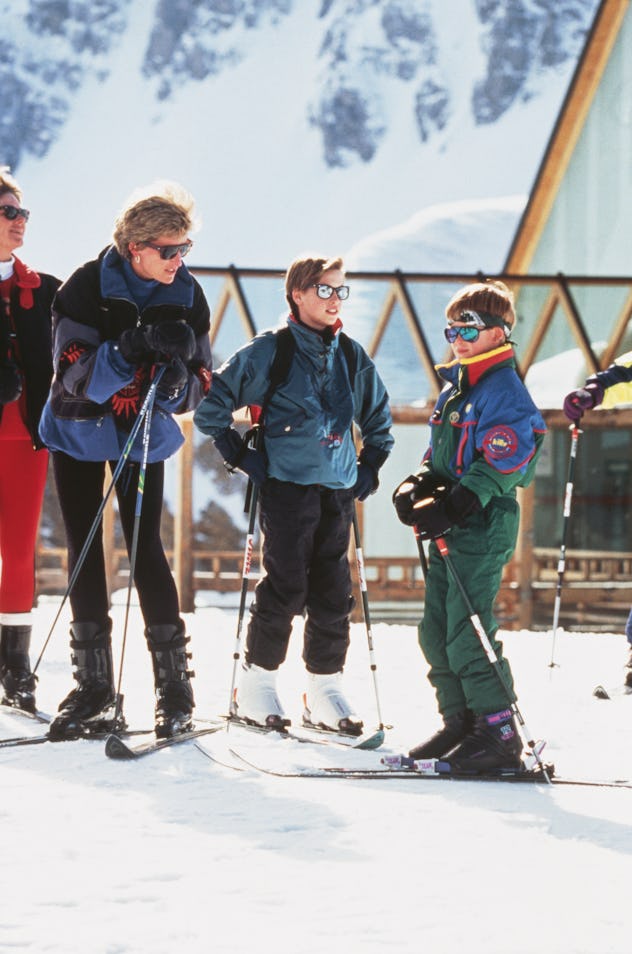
(252, 495)
(487, 647)
(561, 564)
(149, 399)
(422, 559)
(366, 612)
(142, 471)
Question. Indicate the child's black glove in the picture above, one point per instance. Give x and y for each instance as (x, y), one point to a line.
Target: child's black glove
(369, 463)
(433, 518)
(420, 486)
(238, 456)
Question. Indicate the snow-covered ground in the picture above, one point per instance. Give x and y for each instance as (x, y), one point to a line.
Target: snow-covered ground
(176, 854)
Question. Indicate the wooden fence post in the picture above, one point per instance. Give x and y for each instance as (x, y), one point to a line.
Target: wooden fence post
(183, 519)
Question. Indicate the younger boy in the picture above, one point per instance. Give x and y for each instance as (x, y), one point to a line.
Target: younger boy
(485, 436)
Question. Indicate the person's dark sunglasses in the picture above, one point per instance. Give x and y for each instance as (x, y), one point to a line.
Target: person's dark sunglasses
(326, 291)
(468, 334)
(11, 212)
(170, 251)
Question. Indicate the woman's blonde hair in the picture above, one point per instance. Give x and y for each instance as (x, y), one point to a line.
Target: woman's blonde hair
(9, 184)
(492, 297)
(163, 208)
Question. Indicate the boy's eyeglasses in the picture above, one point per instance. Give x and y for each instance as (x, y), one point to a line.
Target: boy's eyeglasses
(170, 251)
(11, 212)
(326, 291)
(468, 333)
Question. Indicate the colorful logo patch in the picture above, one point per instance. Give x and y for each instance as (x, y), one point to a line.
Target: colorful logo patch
(500, 443)
(331, 441)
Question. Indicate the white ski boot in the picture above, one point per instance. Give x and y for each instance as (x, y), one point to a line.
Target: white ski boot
(326, 706)
(257, 701)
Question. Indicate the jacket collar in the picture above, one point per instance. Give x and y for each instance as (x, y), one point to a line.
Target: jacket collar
(469, 371)
(312, 340)
(114, 285)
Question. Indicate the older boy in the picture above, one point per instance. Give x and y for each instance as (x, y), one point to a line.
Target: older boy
(308, 476)
(485, 436)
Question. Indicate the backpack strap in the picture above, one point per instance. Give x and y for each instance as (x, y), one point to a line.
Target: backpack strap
(349, 352)
(282, 362)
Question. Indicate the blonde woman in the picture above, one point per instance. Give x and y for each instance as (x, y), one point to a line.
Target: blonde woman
(115, 320)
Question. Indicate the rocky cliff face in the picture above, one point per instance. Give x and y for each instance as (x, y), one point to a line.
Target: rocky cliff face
(48, 48)
(522, 41)
(370, 50)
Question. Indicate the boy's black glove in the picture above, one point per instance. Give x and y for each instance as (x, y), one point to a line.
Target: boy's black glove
(433, 518)
(238, 456)
(369, 463)
(420, 486)
(10, 383)
(158, 343)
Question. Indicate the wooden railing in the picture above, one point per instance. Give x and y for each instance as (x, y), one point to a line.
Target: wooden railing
(596, 588)
(395, 585)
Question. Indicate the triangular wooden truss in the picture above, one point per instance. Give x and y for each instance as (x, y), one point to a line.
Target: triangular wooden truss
(397, 294)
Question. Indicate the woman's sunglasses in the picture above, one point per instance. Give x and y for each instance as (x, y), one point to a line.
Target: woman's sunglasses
(11, 212)
(168, 252)
(468, 334)
(326, 291)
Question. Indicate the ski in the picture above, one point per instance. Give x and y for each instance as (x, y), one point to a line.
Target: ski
(386, 773)
(528, 776)
(21, 740)
(366, 741)
(117, 748)
(313, 734)
(213, 757)
(36, 716)
(600, 692)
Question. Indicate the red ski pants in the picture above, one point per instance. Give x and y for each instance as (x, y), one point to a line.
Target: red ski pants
(22, 482)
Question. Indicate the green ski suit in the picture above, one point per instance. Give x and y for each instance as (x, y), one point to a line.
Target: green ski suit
(485, 432)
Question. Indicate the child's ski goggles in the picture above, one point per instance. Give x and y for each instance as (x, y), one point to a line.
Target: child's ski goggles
(468, 333)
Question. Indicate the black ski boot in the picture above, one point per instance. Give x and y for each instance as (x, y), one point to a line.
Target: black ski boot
(90, 709)
(493, 746)
(18, 682)
(455, 729)
(174, 695)
(628, 672)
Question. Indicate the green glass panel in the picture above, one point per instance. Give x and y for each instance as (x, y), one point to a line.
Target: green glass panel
(601, 516)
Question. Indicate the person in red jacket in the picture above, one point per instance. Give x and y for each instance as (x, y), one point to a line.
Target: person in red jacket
(26, 371)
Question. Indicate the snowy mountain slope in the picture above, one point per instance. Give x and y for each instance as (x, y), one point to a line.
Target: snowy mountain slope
(296, 125)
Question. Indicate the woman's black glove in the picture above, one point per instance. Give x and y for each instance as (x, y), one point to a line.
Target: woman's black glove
(10, 383)
(420, 486)
(158, 343)
(174, 379)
